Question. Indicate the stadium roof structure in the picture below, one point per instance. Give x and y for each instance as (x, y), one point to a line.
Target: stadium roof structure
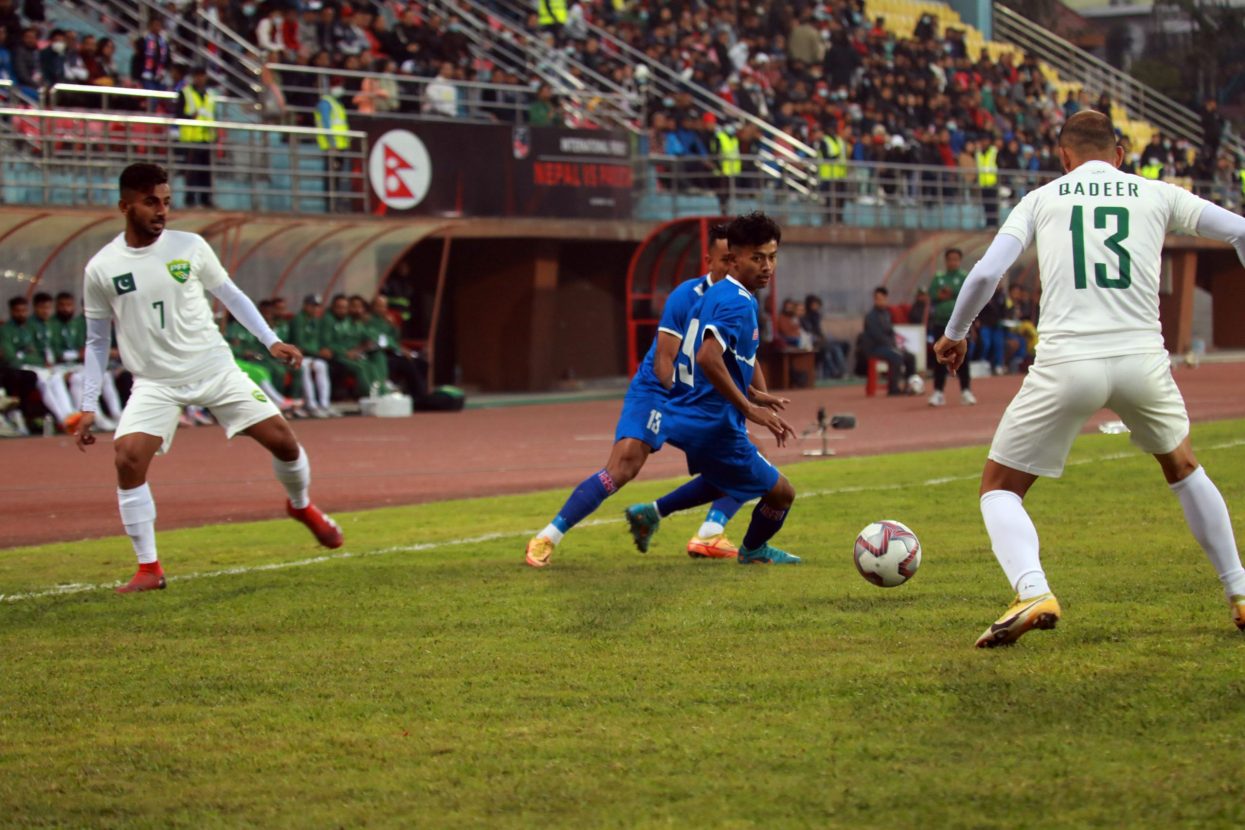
(268, 256)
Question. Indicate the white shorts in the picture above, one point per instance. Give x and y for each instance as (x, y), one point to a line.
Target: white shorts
(233, 399)
(1054, 403)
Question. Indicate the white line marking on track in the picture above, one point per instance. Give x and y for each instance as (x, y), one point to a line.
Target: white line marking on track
(80, 588)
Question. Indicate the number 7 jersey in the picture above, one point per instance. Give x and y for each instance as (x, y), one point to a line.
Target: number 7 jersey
(1099, 235)
(155, 295)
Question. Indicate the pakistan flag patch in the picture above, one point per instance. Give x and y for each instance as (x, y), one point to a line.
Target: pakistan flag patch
(179, 269)
(259, 396)
(124, 284)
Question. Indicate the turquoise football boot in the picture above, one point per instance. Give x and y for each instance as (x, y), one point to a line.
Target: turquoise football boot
(643, 521)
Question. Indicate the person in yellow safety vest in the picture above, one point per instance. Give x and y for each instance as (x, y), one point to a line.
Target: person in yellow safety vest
(197, 104)
(1154, 158)
(551, 13)
(331, 116)
(726, 146)
(833, 151)
(987, 158)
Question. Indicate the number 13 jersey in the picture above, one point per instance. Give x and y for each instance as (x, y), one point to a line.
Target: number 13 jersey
(164, 323)
(1100, 236)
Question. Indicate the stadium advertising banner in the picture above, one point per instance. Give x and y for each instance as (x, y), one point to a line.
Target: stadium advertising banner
(446, 169)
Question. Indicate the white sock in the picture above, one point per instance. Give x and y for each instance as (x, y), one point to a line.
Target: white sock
(272, 393)
(51, 398)
(61, 389)
(1015, 542)
(1207, 515)
(295, 477)
(710, 529)
(138, 514)
(112, 398)
(321, 370)
(75, 389)
(552, 534)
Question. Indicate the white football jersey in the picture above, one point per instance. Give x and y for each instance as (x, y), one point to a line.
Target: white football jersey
(1100, 236)
(163, 319)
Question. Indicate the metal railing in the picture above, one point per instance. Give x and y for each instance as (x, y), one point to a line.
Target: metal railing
(872, 194)
(1075, 64)
(782, 149)
(72, 159)
(237, 71)
(91, 98)
(476, 101)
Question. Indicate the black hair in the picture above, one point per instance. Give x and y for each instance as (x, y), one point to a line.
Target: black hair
(14, 302)
(358, 297)
(717, 231)
(953, 251)
(810, 299)
(142, 177)
(63, 295)
(41, 297)
(337, 297)
(1088, 131)
(881, 289)
(752, 231)
(264, 304)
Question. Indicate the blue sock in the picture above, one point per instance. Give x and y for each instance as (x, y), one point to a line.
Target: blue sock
(584, 499)
(766, 521)
(723, 510)
(693, 494)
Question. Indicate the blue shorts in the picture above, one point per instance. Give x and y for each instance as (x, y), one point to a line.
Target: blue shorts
(642, 413)
(728, 460)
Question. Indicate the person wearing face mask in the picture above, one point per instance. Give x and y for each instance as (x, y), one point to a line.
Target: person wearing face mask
(197, 103)
(52, 58)
(331, 116)
(268, 32)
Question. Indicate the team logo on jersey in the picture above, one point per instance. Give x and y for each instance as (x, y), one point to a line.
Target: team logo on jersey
(124, 284)
(259, 396)
(179, 269)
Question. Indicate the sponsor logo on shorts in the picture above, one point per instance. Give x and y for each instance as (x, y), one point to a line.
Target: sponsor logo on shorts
(124, 284)
(179, 269)
(259, 396)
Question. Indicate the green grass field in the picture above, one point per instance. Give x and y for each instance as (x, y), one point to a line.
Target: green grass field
(433, 682)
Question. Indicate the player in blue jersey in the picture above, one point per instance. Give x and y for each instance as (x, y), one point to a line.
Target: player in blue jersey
(639, 432)
(708, 420)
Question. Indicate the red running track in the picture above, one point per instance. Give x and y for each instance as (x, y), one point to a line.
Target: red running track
(52, 492)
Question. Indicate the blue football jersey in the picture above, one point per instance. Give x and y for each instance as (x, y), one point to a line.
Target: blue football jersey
(675, 317)
(728, 312)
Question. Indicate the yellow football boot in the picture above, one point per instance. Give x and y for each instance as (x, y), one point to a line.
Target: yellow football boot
(539, 550)
(1022, 615)
(711, 547)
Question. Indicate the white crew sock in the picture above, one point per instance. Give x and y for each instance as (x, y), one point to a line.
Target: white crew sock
(321, 370)
(1207, 515)
(1015, 542)
(272, 393)
(309, 387)
(552, 534)
(138, 514)
(295, 477)
(710, 529)
(112, 398)
(54, 394)
(75, 389)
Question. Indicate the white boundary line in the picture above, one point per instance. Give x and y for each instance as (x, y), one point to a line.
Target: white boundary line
(83, 587)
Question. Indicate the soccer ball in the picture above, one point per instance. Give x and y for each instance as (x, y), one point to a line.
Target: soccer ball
(887, 553)
(916, 385)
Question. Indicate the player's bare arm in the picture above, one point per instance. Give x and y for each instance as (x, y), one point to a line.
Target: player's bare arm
(758, 392)
(709, 359)
(83, 437)
(663, 358)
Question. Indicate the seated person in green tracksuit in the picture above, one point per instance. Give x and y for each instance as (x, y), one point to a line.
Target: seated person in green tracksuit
(406, 368)
(253, 359)
(305, 334)
(343, 343)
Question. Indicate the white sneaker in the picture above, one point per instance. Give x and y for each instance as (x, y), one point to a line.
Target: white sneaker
(967, 398)
(937, 399)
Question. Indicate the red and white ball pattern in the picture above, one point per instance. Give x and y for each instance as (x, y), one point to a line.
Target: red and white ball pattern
(887, 553)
